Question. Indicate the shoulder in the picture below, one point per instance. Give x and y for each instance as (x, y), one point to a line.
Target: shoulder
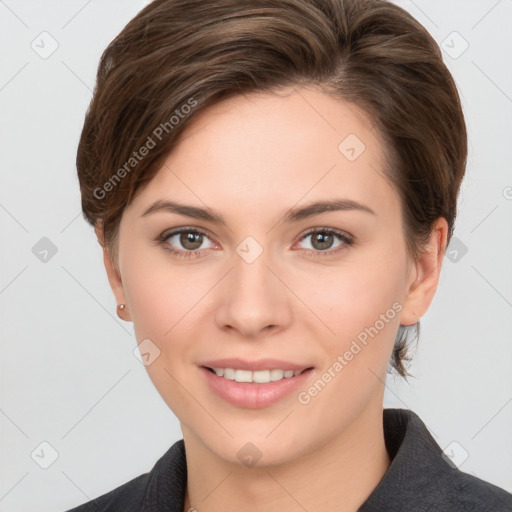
(449, 487)
(461, 491)
(165, 483)
(127, 497)
(422, 478)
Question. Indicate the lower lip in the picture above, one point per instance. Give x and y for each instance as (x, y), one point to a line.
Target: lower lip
(250, 394)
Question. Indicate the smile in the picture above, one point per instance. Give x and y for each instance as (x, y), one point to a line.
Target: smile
(255, 384)
(258, 377)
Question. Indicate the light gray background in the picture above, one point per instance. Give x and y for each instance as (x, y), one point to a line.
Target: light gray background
(68, 373)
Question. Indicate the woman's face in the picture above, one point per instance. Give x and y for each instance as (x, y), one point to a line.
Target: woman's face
(292, 257)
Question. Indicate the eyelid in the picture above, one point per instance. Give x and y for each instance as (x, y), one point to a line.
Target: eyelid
(325, 229)
(345, 238)
(176, 231)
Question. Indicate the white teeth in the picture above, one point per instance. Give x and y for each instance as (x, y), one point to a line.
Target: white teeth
(229, 373)
(276, 375)
(243, 376)
(260, 376)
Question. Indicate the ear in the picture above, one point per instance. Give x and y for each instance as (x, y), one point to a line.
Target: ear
(114, 277)
(424, 275)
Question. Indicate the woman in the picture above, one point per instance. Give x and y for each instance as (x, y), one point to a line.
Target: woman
(274, 185)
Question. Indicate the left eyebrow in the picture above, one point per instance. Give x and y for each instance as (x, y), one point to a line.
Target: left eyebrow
(290, 215)
(296, 214)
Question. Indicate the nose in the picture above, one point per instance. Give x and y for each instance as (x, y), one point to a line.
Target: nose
(253, 301)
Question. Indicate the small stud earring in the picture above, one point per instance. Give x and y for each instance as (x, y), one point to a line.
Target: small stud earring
(120, 310)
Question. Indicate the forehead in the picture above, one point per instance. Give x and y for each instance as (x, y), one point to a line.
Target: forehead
(271, 150)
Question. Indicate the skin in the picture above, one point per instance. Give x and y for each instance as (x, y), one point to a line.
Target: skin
(250, 158)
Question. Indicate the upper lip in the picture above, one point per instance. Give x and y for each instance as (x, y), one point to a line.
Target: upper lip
(260, 364)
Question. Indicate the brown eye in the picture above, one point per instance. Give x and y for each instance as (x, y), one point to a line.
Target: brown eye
(325, 240)
(186, 241)
(191, 240)
(322, 241)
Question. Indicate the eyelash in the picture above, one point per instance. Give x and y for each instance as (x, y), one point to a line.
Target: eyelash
(164, 237)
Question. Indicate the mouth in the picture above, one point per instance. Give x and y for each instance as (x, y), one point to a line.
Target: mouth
(257, 377)
(254, 385)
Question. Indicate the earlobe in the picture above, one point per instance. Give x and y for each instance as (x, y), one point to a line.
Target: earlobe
(425, 274)
(114, 277)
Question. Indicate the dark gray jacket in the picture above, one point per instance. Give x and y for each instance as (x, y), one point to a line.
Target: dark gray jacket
(419, 479)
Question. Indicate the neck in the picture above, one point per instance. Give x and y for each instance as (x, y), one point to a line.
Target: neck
(338, 476)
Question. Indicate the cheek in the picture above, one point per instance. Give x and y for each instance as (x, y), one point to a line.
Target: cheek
(161, 295)
(362, 307)
(358, 294)
(152, 304)
(171, 306)
(161, 302)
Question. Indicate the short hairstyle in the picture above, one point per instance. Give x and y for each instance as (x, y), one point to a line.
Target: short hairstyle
(177, 57)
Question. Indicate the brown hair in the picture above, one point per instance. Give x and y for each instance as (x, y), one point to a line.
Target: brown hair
(177, 57)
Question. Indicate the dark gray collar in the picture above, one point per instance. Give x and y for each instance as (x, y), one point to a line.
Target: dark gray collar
(421, 479)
